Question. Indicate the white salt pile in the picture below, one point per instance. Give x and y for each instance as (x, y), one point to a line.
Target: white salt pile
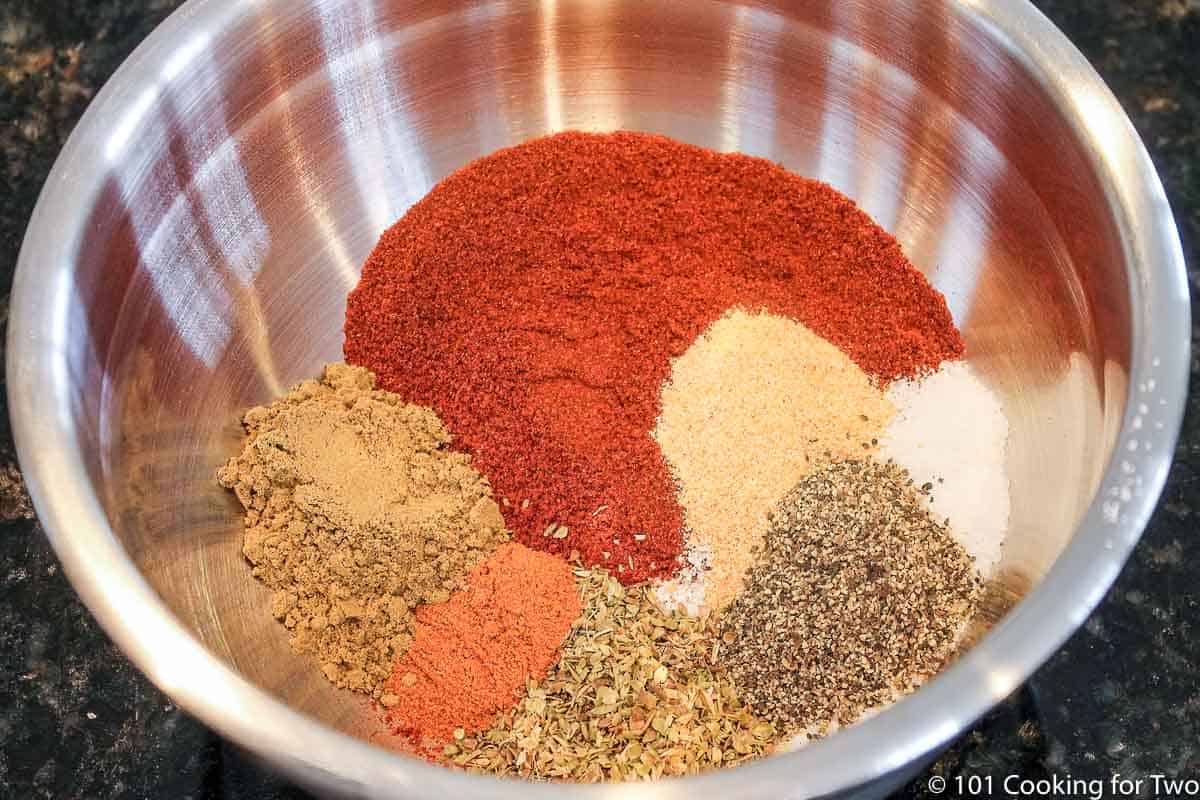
(950, 431)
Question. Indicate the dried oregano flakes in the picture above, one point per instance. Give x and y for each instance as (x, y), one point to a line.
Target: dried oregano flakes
(637, 693)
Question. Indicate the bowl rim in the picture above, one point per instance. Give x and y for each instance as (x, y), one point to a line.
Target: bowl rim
(901, 736)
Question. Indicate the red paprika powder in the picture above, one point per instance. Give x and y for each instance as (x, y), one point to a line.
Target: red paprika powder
(536, 297)
(472, 655)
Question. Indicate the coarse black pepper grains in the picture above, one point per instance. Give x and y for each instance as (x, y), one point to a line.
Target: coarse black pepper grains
(859, 595)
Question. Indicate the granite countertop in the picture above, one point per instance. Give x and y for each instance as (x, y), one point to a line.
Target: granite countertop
(77, 720)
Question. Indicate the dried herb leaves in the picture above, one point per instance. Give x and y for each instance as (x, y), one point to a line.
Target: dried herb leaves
(635, 695)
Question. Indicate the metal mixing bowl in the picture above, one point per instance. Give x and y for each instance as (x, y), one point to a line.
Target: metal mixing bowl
(192, 251)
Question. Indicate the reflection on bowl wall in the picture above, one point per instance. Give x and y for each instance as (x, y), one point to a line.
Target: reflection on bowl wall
(193, 252)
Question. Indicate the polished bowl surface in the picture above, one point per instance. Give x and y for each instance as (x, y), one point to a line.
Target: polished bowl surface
(192, 251)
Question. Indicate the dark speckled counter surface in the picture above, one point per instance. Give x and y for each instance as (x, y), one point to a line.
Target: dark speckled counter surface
(78, 721)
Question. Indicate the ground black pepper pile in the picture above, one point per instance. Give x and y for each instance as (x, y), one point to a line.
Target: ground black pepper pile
(858, 595)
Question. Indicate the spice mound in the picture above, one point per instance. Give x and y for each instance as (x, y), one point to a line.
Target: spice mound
(950, 432)
(637, 693)
(473, 654)
(751, 407)
(674, 375)
(859, 594)
(536, 297)
(357, 512)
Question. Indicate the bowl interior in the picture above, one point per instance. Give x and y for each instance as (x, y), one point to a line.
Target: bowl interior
(245, 184)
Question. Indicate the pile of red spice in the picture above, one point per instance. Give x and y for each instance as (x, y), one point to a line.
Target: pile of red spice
(536, 297)
(471, 656)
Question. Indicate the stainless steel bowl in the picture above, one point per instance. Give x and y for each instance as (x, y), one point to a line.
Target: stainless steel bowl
(193, 248)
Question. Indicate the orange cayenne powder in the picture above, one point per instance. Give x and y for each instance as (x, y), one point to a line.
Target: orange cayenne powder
(471, 656)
